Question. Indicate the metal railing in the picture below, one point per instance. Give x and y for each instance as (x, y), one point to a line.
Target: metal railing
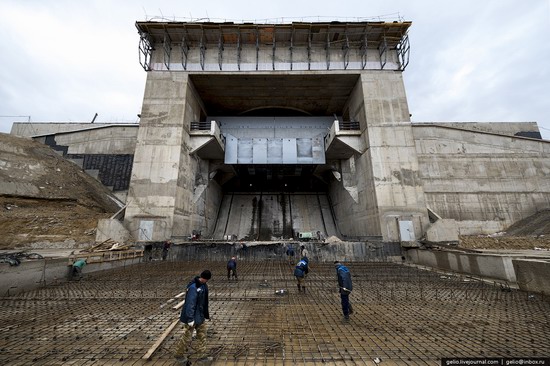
(201, 126)
(349, 125)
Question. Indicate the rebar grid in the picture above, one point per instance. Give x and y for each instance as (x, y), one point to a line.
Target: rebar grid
(402, 315)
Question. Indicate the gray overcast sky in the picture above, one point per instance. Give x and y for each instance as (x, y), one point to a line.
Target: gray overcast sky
(471, 60)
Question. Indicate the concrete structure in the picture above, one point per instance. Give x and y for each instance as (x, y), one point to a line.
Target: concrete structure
(348, 72)
(259, 132)
(54, 269)
(532, 274)
(522, 270)
(103, 150)
(483, 180)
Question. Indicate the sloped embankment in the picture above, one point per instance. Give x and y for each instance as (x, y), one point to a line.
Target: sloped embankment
(46, 200)
(532, 232)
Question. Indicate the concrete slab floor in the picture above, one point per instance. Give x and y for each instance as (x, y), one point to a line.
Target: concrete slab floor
(402, 315)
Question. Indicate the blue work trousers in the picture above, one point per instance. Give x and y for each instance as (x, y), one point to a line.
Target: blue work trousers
(345, 304)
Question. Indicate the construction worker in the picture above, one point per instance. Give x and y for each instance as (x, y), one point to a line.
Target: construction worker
(193, 316)
(76, 270)
(344, 287)
(165, 249)
(300, 272)
(290, 253)
(232, 268)
(303, 251)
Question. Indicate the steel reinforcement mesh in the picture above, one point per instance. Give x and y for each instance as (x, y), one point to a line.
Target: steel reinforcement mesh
(402, 315)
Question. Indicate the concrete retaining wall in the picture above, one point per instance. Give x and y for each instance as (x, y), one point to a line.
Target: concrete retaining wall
(317, 252)
(527, 274)
(111, 229)
(30, 275)
(533, 275)
(27, 129)
(504, 181)
(484, 265)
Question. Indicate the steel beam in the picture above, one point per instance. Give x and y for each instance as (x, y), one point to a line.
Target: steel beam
(167, 47)
(327, 48)
(345, 47)
(202, 50)
(363, 49)
(291, 46)
(220, 49)
(184, 49)
(403, 52)
(239, 49)
(274, 46)
(257, 47)
(382, 52)
(309, 49)
(145, 51)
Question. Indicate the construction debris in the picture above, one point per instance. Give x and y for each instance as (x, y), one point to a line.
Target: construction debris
(107, 245)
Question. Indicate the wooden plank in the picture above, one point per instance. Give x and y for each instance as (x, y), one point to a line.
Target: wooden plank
(179, 295)
(160, 340)
(106, 256)
(178, 305)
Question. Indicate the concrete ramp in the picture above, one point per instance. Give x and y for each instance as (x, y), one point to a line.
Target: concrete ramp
(238, 217)
(311, 213)
(273, 216)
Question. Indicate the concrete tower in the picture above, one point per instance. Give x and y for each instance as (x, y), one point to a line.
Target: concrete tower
(260, 131)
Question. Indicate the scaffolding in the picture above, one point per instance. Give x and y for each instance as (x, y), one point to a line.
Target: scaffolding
(343, 40)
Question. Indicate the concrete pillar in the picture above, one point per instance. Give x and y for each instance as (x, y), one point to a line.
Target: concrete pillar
(398, 191)
(163, 174)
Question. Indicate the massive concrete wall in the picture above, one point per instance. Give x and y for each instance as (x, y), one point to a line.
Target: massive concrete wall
(533, 274)
(380, 187)
(354, 196)
(484, 181)
(114, 139)
(197, 196)
(399, 191)
(30, 275)
(484, 265)
(501, 128)
(269, 216)
(167, 187)
(519, 271)
(82, 138)
(28, 129)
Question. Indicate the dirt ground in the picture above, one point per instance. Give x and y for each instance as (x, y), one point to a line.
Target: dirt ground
(505, 242)
(46, 200)
(42, 222)
(531, 233)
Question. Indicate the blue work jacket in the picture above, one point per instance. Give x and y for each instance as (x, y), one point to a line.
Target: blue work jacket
(196, 303)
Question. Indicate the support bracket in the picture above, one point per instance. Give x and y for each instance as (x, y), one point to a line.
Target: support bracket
(145, 50)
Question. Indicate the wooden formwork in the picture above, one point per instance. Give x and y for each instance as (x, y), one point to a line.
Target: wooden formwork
(105, 256)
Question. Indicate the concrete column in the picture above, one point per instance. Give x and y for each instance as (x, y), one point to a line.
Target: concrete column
(163, 173)
(398, 190)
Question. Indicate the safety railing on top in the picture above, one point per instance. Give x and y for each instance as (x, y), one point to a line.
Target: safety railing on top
(349, 125)
(201, 126)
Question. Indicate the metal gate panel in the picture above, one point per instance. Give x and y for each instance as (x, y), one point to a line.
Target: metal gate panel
(259, 151)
